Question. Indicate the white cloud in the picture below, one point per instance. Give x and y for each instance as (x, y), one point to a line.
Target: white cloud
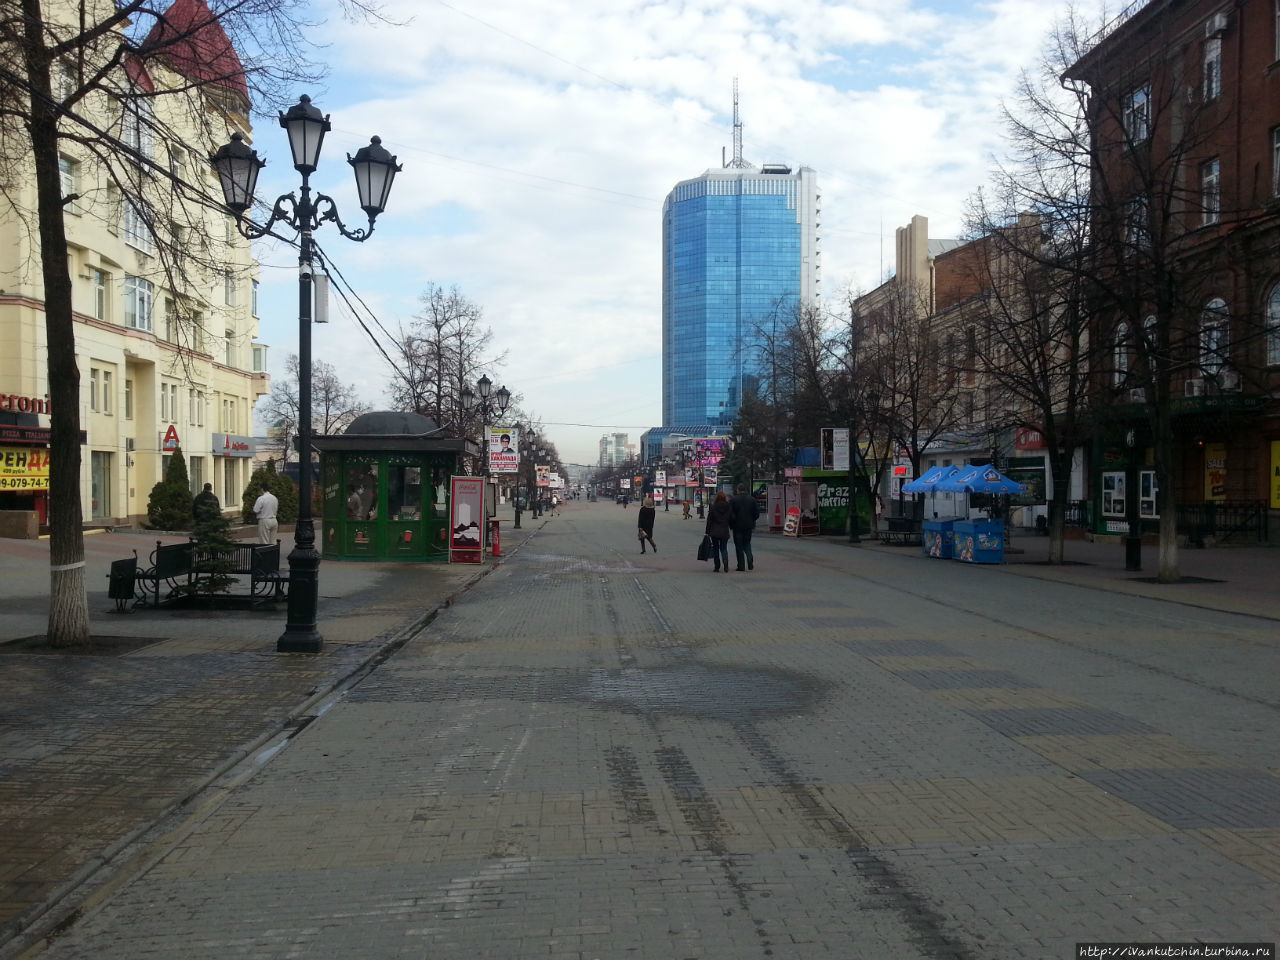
(539, 138)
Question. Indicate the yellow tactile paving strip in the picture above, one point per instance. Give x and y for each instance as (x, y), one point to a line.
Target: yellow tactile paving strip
(1081, 754)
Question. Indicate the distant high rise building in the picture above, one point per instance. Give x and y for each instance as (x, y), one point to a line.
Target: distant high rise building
(739, 250)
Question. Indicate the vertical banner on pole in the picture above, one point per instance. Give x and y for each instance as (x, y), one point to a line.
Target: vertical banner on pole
(466, 515)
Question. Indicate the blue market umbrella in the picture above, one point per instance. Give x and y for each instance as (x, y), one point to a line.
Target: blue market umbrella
(984, 479)
(928, 481)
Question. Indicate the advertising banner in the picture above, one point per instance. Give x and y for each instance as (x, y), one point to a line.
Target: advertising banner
(504, 452)
(710, 476)
(24, 468)
(658, 496)
(660, 478)
(544, 476)
(708, 451)
(1215, 471)
(835, 448)
(1275, 474)
(466, 516)
(690, 476)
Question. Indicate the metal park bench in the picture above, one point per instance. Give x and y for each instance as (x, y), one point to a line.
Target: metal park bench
(182, 566)
(900, 532)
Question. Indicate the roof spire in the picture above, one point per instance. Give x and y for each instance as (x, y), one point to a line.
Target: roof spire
(737, 162)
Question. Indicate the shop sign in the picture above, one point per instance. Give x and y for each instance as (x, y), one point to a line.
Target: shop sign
(229, 445)
(835, 448)
(19, 404)
(1025, 438)
(170, 442)
(24, 469)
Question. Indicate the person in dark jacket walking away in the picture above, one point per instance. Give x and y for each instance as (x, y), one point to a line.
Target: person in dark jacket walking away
(644, 524)
(717, 529)
(206, 503)
(745, 511)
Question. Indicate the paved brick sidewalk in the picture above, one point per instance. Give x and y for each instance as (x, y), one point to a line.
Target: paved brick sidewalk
(96, 749)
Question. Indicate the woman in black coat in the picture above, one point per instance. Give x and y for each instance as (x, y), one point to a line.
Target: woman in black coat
(717, 529)
(644, 524)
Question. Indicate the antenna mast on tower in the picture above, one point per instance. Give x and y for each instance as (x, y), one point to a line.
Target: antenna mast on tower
(737, 162)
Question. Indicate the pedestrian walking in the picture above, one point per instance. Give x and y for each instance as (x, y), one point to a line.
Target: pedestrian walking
(265, 508)
(717, 529)
(686, 509)
(745, 510)
(644, 524)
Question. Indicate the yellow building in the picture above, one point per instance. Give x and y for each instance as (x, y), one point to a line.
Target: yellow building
(164, 288)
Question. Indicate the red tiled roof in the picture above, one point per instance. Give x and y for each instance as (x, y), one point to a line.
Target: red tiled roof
(191, 41)
(136, 71)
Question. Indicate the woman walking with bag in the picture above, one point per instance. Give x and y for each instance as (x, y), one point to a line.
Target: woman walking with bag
(644, 524)
(717, 529)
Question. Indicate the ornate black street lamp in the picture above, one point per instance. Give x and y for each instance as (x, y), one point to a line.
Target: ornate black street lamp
(237, 166)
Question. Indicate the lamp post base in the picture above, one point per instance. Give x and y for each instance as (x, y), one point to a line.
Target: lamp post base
(300, 634)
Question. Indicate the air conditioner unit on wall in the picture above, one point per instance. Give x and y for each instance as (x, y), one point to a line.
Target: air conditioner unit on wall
(1216, 25)
(1228, 380)
(1194, 387)
(128, 444)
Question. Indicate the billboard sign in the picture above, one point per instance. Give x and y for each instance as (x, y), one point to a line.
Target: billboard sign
(504, 452)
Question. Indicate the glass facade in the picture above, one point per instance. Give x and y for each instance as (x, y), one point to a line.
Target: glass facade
(739, 252)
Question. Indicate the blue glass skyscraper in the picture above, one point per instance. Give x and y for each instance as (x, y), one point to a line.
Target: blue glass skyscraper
(739, 249)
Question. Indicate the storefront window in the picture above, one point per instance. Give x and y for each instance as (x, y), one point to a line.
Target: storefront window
(404, 492)
(362, 491)
(1147, 491)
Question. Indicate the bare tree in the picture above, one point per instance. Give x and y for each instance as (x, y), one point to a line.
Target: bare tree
(1031, 345)
(334, 404)
(1105, 150)
(441, 351)
(113, 78)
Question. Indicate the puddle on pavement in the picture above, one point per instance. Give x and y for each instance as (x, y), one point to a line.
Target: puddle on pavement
(695, 690)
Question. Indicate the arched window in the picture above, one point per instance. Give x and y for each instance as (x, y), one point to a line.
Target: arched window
(1151, 345)
(1214, 336)
(1273, 324)
(1120, 363)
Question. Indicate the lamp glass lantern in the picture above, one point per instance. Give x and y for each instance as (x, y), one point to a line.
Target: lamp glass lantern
(237, 166)
(306, 127)
(468, 398)
(375, 170)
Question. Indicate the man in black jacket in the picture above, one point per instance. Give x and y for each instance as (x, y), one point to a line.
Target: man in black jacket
(745, 511)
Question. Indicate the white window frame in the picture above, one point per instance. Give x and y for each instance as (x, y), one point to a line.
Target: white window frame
(230, 355)
(1215, 336)
(128, 398)
(139, 302)
(229, 289)
(1137, 225)
(137, 231)
(1273, 327)
(253, 294)
(69, 180)
(101, 302)
(93, 388)
(1136, 113)
(137, 125)
(106, 392)
(1212, 68)
(1211, 191)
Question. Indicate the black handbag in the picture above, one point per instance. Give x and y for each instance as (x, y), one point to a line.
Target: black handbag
(704, 548)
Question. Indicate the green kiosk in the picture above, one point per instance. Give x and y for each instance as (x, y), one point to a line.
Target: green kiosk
(385, 488)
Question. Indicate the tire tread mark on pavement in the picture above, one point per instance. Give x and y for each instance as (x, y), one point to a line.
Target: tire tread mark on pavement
(701, 814)
(703, 817)
(1102, 652)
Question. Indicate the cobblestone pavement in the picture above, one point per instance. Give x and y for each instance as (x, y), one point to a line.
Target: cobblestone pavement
(843, 753)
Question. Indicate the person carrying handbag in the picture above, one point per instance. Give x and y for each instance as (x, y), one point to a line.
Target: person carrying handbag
(644, 524)
(717, 529)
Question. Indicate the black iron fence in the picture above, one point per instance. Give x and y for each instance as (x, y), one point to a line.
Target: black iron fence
(1226, 521)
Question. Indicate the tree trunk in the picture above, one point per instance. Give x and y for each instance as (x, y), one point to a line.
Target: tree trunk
(68, 604)
(1167, 499)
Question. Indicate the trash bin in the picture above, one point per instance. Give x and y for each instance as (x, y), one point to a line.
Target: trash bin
(495, 543)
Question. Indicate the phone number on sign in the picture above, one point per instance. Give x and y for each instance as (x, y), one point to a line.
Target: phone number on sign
(24, 483)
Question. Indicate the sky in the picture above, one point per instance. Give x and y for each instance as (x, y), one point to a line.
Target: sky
(539, 138)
